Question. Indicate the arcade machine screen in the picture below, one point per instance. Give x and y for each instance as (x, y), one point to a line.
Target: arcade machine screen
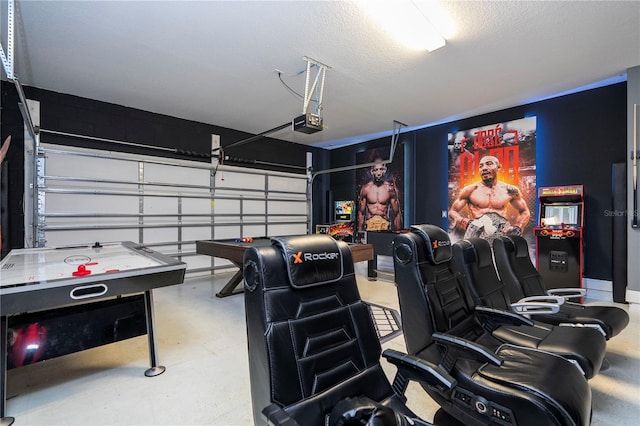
(344, 210)
(555, 215)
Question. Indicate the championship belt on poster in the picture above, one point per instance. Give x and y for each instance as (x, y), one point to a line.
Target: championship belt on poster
(377, 223)
(489, 226)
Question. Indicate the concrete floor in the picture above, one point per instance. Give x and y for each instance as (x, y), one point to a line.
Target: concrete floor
(202, 342)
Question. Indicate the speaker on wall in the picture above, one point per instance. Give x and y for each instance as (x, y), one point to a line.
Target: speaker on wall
(620, 219)
(329, 212)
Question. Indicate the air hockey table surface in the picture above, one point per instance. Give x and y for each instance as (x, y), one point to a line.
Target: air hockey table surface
(43, 278)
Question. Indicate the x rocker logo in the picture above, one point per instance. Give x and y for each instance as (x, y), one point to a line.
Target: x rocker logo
(301, 257)
(443, 243)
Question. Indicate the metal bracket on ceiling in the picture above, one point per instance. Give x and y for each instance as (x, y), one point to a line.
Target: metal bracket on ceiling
(317, 88)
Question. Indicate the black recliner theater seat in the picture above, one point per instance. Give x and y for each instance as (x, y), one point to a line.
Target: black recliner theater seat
(473, 260)
(511, 255)
(498, 384)
(314, 355)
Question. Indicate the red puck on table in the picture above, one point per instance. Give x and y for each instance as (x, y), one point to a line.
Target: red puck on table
(81, 271)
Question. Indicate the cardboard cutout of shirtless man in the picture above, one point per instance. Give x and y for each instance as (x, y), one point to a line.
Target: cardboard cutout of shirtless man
(378, 203)
(487, 202)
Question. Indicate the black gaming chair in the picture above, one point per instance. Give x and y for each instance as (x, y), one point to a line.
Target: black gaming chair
(473, 259)
(514, 266)
(498, 384)
(313, 350)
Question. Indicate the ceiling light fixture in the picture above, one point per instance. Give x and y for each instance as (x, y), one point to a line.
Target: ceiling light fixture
(406, 21)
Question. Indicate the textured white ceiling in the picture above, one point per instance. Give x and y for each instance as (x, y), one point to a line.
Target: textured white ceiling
(214, 61)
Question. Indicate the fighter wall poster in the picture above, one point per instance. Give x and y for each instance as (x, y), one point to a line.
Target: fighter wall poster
(379, 191)
(492, 181)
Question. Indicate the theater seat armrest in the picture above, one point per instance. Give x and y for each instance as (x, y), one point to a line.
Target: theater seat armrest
(463, 348)
(496, 317)
(276, 416)
(419, 370)
(567, 293)
(535, 308)
(543, 299)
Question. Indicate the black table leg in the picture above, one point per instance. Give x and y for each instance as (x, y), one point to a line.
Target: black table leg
(155, 369)
(235, 281)
(372, 266)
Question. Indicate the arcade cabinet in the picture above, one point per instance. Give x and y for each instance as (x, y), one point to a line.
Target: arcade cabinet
(343, 227)
(560, 235)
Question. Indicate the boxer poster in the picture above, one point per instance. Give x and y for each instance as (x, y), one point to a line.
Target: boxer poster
(492, 181)
(379, 191)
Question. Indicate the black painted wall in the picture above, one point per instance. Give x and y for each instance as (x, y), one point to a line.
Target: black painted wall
(579, 137)
(180, 139)
(12, 169)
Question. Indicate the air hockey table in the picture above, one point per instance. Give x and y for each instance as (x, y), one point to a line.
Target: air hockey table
(43, 279)
(233, 250)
